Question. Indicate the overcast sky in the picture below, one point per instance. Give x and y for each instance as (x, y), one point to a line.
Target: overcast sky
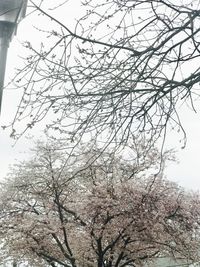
(187, 172)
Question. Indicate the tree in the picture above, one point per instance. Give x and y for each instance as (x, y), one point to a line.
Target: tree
(122, 69)
(107, 215)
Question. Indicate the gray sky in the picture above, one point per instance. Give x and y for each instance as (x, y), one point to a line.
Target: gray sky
(187, 172)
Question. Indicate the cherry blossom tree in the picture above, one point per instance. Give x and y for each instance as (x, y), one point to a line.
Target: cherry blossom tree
(60, 213)
(124, 66)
